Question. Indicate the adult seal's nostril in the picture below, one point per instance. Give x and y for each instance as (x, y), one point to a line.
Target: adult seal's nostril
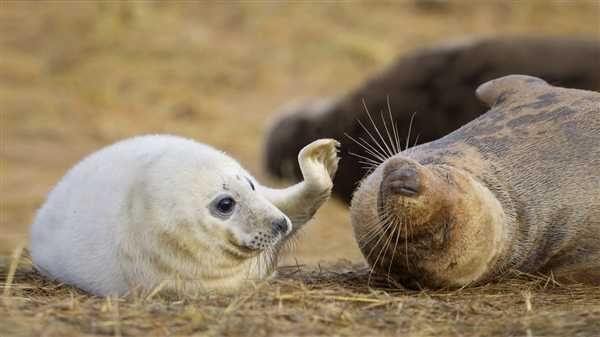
(404, 181)
(279, 226)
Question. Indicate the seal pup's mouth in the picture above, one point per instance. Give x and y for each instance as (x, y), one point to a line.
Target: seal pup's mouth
(270, 237)
(238, 249)
(258, 241)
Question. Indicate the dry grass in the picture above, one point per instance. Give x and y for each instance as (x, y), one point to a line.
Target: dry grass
(75, 76)
(332, 300)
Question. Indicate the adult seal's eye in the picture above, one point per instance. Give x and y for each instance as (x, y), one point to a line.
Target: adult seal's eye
(225, 205)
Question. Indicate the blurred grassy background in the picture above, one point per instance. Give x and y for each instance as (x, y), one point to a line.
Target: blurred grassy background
(78, 75)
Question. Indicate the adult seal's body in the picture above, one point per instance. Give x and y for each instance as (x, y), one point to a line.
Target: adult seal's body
(516, 189)
(170, 213)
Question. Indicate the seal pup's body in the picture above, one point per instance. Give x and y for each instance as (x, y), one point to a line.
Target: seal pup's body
(164, 211)
(516, 189)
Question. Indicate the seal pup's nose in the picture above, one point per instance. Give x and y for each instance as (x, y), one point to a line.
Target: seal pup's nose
(280, 226)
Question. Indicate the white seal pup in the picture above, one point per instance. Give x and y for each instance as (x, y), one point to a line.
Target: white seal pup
(164, 211)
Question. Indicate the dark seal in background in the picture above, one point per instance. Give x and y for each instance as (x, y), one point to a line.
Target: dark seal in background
(436, 85)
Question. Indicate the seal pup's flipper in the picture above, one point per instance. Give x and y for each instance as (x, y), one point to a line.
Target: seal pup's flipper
(318, 163)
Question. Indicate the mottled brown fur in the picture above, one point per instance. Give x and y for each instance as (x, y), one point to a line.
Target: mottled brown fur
(537, 154)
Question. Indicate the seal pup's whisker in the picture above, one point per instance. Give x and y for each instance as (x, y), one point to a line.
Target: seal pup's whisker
(268, 258)
(291, 244)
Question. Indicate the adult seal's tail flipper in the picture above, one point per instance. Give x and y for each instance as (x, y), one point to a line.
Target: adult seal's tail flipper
(516, 189)
(508, 89)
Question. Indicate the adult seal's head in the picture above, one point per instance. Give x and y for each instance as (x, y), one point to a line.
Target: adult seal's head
(516, 189)
(424, 225)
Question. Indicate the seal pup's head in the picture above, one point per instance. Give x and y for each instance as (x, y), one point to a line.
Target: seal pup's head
(199, 223)
(430, 225)
(247, 222)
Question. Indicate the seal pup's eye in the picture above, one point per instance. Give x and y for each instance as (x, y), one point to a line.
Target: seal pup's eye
(223, 206)
(251, 184)
(226, 205)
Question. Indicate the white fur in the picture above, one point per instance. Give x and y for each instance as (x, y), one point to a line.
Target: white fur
(101, 226)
